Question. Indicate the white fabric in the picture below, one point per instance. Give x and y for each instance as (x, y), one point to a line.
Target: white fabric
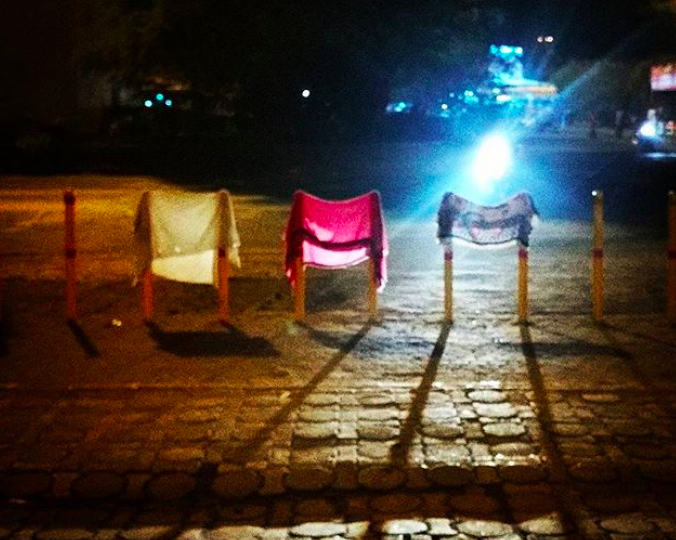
(178, 235)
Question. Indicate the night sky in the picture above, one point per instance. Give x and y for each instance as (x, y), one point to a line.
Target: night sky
(38, 37)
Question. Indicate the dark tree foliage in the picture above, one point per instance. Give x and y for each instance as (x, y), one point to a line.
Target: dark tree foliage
(350, 52)
(354, 54)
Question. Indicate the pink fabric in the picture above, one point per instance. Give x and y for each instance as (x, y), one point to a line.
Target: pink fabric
(336, 234)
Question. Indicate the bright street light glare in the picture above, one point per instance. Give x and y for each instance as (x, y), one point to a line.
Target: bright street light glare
(492, 160)
(648, 129)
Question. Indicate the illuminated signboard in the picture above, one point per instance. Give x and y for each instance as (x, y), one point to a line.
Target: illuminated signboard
(663, 77)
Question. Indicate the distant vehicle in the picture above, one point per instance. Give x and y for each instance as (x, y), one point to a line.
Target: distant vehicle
(656, 135)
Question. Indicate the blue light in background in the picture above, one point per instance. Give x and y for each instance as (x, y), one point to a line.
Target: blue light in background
(159, 97)
(148, 103)
(168, 103)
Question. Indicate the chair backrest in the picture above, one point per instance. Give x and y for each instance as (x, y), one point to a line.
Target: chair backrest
(336, 234)
(504, 224)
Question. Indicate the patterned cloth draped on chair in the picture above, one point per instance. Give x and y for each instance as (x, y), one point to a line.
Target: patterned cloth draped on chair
(336, 234)
(502, 225)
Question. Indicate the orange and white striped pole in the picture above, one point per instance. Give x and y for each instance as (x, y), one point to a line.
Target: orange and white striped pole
(671, 260)
(522, 304)
(598, 271)
(223, 262)
(70, 253)
(147, 295)
(223, 286)
(448, 284)
(372, 291)
(299, 291)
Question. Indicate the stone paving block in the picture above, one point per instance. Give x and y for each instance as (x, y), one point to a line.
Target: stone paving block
(396, 503)
(323, 399)
(438, 412)
(273, 481)
(317, 415)
(372, 431)
(374, 451)
(450, 475)
(62, 484)
(495, 410)
(487, 474)
(192, 533)
(447, 454)
(487, 396)
(416, 478)
(346, 476)
(99, 485)
(565, 429)
(646, 451)
(313, 455)
(474, 503)
(65, 533)
(383, 399)
(170, 486)
(610, 502)
(579, 448)
(242, 513)
(601, 397)
(237, 484)
(136, 484)
(150, 532)
(550, 525)
(628, 524)
(309, 479)
(518, 473)
(663, 471)
(316, 507)
(381, 478)
(315, 431)
(319, 530)
(513, 449)
(442, 431)
(403, 527)
(25, 484)
(592, 471)
(482, 528)
(528, 503)
(440, 527)
(504, 429)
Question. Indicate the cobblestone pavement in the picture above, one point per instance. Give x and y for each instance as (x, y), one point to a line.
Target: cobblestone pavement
(400, 428)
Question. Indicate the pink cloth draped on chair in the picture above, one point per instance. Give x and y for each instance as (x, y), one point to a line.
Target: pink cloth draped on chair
(336, 234)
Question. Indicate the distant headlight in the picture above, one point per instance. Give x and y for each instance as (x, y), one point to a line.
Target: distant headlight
(648, 129)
